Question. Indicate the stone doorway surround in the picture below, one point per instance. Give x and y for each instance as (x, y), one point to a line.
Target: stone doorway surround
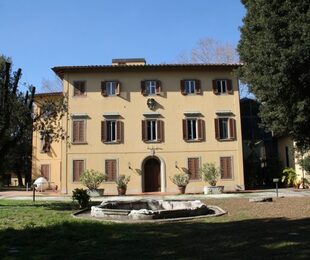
(162, 172)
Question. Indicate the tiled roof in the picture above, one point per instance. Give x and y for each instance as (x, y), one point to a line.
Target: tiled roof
(60, 70)
(48, 94)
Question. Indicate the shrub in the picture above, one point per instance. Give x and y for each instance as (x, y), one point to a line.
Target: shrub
(305, 163)
(289, 177)
(180, 179)
(209, 173)
(92, 179)
(122, 181)
(81, 196)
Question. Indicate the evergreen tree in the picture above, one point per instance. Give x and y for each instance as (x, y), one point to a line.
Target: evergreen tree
(275, 49)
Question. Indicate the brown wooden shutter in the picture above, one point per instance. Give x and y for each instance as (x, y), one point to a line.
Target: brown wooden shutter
(78, 168)
(103, 131)
(81, 131)
(76, 89)
(143, 88)
(110, 170)
(214, 86)
(45, 171)
(185, 134)
(229, 86)
(104, 89)
(144, 130)
(201, 129)
(182, 87)
(217, 128)
(118, 88)
(232, 128)
(160, 130)
(75, 132)
(193, 168)
(198, 87)
(119, 131)
(226, 167)
(158, 87)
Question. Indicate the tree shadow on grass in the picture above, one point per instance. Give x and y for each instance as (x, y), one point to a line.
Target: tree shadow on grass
(247, 239)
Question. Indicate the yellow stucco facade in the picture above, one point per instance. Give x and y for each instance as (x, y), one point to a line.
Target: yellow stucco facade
(130, 107)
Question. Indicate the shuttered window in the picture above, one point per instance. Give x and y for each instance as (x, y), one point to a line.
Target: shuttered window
(111, 169)
(79, 88)
(226, 167)
(78, 131)
(222, 86)
(225, 128)
(78, 169)
(152, 130)
(111, 131)
(190, 87)
(193, 168)
(193, 129)
(151, 87)
(45, 171)
(110, 88)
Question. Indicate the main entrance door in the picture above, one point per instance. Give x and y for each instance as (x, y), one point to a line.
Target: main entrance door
(152, 175)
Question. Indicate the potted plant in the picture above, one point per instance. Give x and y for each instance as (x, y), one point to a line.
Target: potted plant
(121, 183)
(81, 196)
(289, 177)
(181, 180)
(92, 179)
(210, 174)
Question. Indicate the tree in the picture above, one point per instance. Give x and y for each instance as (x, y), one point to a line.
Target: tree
(275, 49)
(209, 50)
(18, 120)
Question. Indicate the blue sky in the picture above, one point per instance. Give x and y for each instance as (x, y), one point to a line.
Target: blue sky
(39, 34)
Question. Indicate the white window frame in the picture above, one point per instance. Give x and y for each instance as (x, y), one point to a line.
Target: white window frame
(193, 128)
(111, 126)
(150, 87)
(190, 86)
(152, 135)
(111, 87)
(221, 85)
(221, 121)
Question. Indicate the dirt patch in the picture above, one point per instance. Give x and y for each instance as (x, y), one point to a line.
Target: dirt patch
(290, 208)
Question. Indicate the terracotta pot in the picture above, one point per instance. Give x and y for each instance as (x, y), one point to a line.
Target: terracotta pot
(121, 191)
(182, 189)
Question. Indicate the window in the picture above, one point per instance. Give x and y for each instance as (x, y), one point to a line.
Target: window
(45, 142)
(111, 169)
(110, 88)
(78, 169)
(79, 88)
(190, 87)
(78, 131)
(152, 130)
(193, 129)
(150, 87)
(226, 167)
(45, 171)
(193, 168)
(111, 131)
(225, 128)
(222, 86)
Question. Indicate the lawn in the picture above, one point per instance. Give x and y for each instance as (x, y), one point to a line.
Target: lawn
(46, 230)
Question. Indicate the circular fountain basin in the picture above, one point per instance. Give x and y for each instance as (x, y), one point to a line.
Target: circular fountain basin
(150, 209)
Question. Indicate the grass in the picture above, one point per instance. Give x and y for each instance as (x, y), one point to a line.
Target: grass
(46, 230)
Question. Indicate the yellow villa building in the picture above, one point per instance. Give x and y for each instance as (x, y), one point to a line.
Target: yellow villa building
(146, 121)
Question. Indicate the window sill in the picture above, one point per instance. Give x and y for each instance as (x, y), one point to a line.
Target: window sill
(152, 141)
(226, 140)
(82, 143)
(111, 142)
(193, 141)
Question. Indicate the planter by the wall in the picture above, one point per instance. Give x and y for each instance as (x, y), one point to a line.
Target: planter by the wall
(182, 189)
(213, 189)
(95, 193)
(121, 191)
